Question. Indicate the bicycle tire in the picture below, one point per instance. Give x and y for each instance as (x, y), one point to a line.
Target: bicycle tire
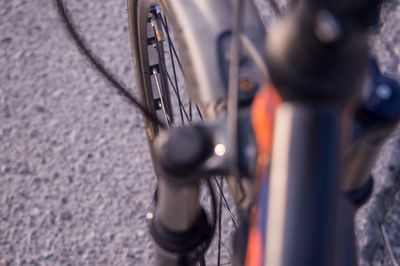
(137, 14)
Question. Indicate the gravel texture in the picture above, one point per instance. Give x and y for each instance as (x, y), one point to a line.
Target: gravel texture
(76, 178)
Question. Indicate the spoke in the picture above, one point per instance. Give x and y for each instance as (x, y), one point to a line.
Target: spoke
(234, 220)
(173, 47)
(190, 109)
(176, 93)
(181, 105)
(228, 250)
(198, 110)
(164, 73)
(220, 223)
(166, 29)
(388, 246)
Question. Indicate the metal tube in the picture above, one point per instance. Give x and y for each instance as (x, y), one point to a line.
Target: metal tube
(178, 208)
(360, 160)
(176, 225)
(304, 186)
(165, 258)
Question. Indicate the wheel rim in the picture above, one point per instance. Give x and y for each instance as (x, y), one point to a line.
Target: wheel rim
(162, 72)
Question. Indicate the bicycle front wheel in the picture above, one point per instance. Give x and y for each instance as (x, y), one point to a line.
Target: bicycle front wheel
(160, 68)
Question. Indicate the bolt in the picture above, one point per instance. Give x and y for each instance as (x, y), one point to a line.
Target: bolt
(245, 84)
(220, 149)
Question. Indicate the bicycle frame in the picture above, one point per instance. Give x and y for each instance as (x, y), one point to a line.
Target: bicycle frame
(318, 61)
(207, 49)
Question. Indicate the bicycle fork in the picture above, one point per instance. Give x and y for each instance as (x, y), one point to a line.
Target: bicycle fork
(187, 156)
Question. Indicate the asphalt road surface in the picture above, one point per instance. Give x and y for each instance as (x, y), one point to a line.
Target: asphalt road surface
(75, 175)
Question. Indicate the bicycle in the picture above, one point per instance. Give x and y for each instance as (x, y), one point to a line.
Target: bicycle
(189, 51)
(308, 100)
